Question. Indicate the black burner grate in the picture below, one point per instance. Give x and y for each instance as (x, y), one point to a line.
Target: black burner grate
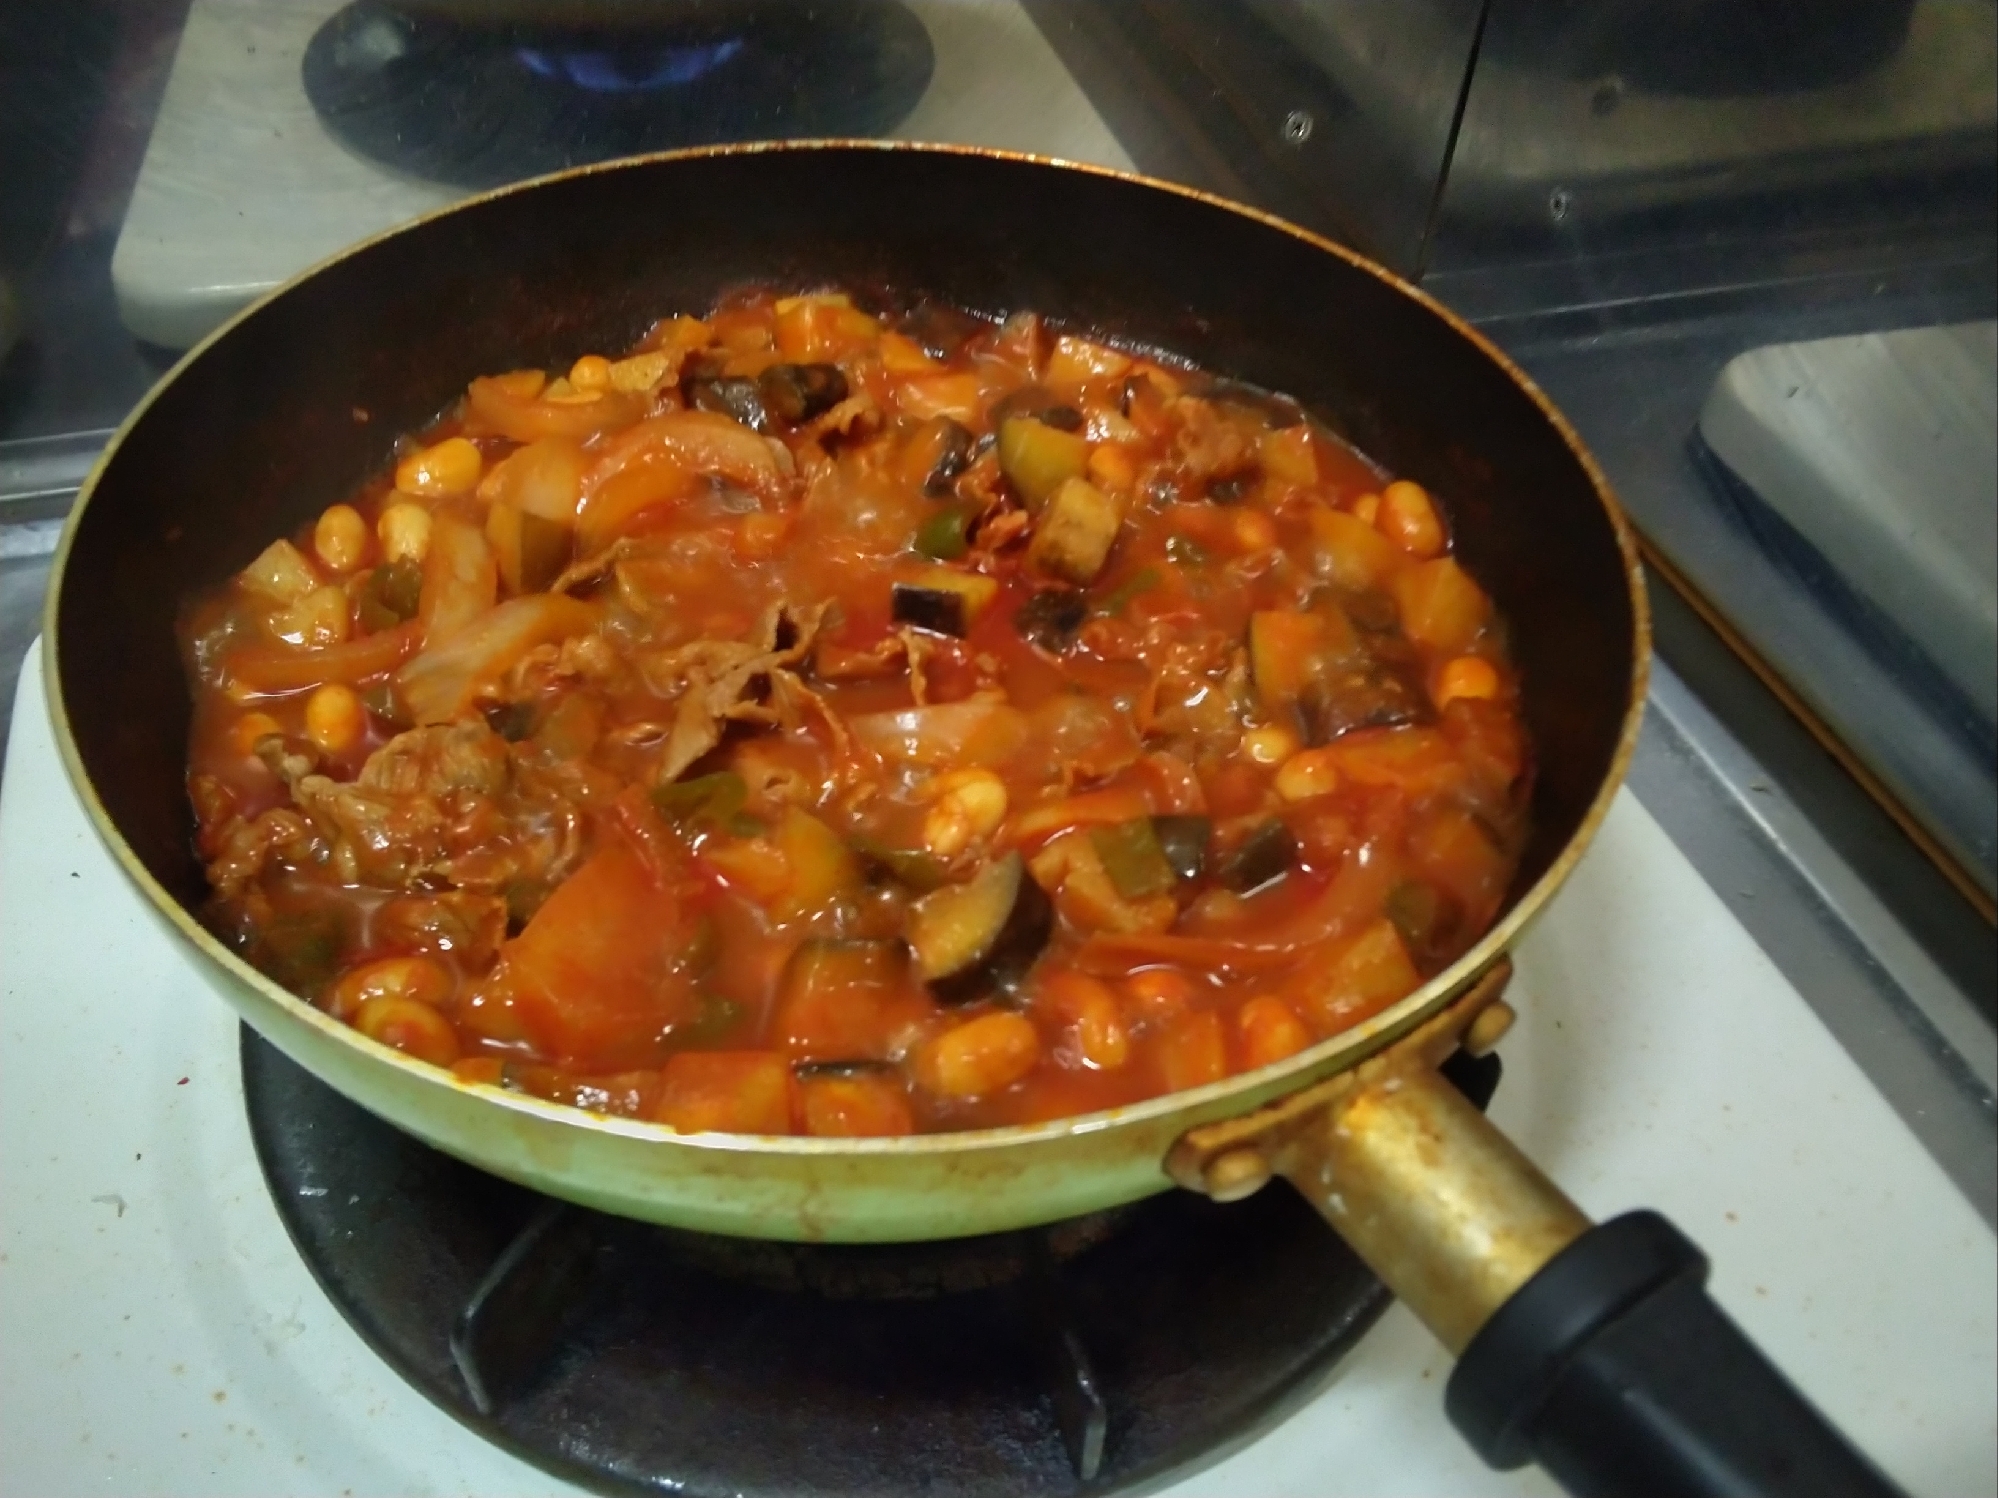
(634, 1359)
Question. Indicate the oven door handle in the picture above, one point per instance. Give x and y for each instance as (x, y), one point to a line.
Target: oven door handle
(1617, 1372)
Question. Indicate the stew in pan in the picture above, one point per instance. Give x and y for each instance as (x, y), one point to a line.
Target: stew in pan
(858, 722)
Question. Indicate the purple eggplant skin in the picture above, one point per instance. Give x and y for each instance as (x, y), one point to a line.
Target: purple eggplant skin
(1263, 857)
(1007, 920)
(794, 393)
(938, 610)
(1051, 619)
(1184, 840)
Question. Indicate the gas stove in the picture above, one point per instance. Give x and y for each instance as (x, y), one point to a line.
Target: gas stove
(160, 1333)
(245, 182)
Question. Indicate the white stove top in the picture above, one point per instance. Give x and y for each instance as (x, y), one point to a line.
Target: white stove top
(158, 1334)
(242, 187)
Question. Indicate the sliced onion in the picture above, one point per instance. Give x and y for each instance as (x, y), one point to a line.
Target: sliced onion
(699, 442)
(441, 682)
(949, 734)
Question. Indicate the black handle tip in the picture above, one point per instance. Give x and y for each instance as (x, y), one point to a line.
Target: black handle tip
(1617, 1372)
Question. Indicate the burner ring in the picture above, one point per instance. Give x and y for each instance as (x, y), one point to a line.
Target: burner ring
(481, 106)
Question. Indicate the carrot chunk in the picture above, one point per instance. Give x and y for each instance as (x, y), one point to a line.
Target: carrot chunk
(865, 1106)
(595, 977)
(726, 1092)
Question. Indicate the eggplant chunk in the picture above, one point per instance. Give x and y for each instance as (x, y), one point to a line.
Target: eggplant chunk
(1370, 697)
(943, 600)
(938, 610)
(1074, 533)
(1263, 857)
(983, 936)
(1052, 618)
(730, 396)
(1184, 840)
(512, 721)
(940, 328)
(937, 454)
(1290, 651)
(1040, 403)
(797, 392)
(807, 1071)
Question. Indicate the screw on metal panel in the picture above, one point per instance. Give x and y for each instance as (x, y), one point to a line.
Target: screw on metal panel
(1559, 202)
(1297, 127)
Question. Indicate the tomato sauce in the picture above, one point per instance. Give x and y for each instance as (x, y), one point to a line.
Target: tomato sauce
(828, 721)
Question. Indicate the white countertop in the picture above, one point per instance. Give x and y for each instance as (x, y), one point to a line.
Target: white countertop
(159, 1336)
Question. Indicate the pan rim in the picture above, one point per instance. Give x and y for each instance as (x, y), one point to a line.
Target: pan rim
(1325, 1058)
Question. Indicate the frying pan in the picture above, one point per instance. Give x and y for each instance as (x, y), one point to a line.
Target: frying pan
(1593, 1349)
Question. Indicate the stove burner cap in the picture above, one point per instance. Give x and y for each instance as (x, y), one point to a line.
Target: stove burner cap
(481, 106)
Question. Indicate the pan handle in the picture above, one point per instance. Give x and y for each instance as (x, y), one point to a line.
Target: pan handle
(1617, 1372)
(1593, 1350)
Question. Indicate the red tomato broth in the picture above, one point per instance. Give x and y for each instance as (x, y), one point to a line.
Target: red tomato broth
(622, 858)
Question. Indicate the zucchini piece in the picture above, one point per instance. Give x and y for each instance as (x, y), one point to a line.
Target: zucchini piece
(1263, 857)
(714, 1017)
(1073, 535)
(1133, 859)
(921, 871)
(303, 951)
(797, 392)
(531, 549)
(390, 595)
(823, 867)
(379, 698)
(1052, 618)
(982, 936)
(1038, 458)
(1184, 840)
(946, 535)
(1424, 916)
(707, 802)
(1119, 598)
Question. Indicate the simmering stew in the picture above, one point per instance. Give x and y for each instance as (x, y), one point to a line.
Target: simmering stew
(828, 721)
